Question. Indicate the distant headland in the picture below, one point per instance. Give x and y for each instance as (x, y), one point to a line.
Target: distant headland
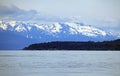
(69, 45)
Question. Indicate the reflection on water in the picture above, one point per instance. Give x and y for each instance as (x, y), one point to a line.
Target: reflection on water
(59, 63)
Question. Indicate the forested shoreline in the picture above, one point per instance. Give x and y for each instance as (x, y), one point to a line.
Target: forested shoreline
(71, 45)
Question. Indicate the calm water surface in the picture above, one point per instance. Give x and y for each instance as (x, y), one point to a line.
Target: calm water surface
(59, 63)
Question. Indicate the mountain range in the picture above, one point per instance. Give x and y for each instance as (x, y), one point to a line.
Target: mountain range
(18, 34)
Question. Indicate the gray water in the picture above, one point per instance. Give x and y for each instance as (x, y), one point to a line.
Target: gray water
(59, 63)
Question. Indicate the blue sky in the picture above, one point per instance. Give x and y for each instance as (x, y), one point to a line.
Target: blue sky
(101, 13)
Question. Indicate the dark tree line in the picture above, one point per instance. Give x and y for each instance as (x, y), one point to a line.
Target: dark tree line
(69, 45)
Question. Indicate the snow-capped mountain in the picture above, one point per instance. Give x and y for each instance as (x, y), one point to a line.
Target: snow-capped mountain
(26, 33)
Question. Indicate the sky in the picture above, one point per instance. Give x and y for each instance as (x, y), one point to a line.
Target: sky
(94, 8)
(101, 13)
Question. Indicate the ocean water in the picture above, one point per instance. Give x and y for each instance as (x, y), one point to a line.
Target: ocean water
(59, 63)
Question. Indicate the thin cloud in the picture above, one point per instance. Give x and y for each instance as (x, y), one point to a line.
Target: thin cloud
(14, 13)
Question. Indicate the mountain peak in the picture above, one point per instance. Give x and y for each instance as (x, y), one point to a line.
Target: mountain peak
(12, 23)
(85, 30)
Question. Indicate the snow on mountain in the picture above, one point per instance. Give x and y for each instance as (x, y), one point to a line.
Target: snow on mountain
(85, 30)
(59, 30)
(12, 23)
(51, 28)
(20, 28)
(3, 26)
(29, 28)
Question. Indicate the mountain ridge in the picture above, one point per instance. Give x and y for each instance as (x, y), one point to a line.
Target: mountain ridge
(56, 31)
